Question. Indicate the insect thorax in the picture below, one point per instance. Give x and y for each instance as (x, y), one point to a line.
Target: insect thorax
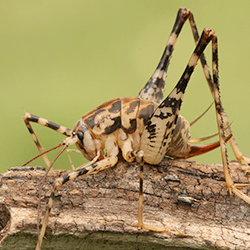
(128, 115)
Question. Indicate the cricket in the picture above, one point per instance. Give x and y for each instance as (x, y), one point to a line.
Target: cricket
(146, 128)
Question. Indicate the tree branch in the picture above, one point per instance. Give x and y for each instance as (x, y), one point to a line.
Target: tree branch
(180, 195)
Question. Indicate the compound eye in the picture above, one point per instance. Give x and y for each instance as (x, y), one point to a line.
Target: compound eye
(80, 135)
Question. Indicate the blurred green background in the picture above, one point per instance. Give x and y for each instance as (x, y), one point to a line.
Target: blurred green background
(60, 59)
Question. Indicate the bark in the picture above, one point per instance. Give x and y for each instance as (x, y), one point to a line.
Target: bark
(100, 211)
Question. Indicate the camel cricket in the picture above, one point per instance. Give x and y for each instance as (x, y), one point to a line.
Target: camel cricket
(145, 128)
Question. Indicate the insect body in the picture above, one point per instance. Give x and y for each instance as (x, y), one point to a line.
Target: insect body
(124, 120)
(144, 129)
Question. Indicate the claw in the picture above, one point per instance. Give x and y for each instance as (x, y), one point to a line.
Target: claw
(235, 189)
(246, 161)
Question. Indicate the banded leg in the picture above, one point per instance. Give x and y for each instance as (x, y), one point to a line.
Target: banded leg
(238, 154)
(231, 186)
(160, 127)
(88, 168)
(158, 131)
(153, 90)
(33, 118)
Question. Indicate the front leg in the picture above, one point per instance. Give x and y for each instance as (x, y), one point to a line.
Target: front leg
(87, 168)
(36, 119)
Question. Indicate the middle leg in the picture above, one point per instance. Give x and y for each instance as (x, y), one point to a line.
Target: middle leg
(88, 168)
(28, 118)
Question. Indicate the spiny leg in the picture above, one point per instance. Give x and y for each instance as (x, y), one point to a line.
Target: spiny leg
(194, 149)
(88, 168)
(207, 137)
(33, 118)
(231, 186)
(238, 154)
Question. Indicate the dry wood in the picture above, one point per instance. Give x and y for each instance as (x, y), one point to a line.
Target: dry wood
(101, 210)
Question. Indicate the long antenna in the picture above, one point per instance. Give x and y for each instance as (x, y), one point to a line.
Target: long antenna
(61, 144)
